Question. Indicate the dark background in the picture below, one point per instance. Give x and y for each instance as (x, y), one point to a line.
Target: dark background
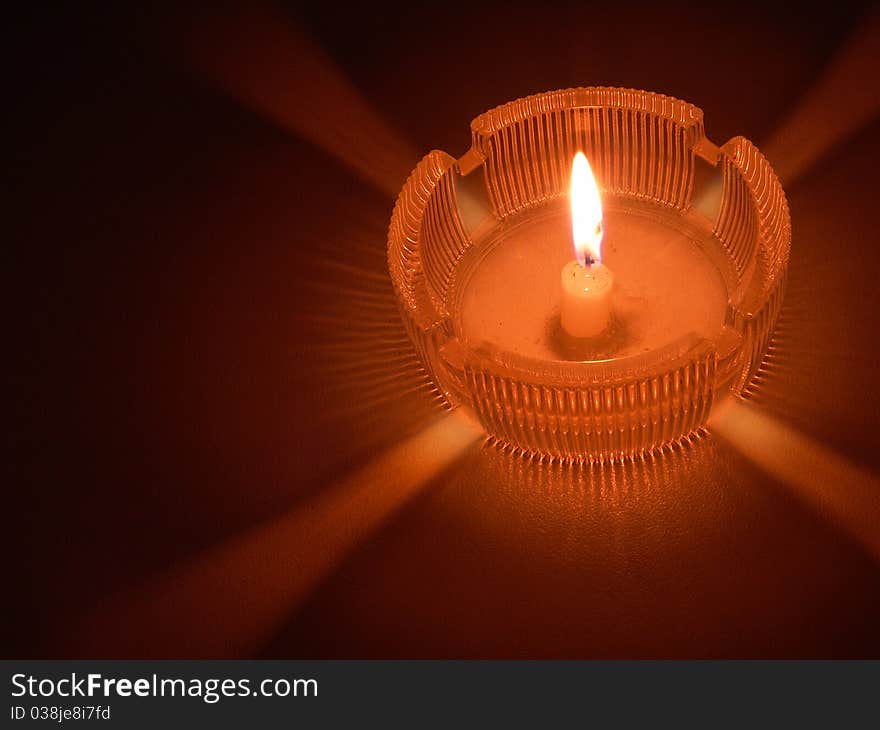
(171, 315)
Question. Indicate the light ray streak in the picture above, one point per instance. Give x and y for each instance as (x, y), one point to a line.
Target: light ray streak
(842, 101)
(823, 480)
(228, 600)
(258, 55)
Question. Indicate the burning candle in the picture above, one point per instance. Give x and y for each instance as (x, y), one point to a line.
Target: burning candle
(587, 284)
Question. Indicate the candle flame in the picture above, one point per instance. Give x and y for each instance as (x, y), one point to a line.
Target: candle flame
(586, 212)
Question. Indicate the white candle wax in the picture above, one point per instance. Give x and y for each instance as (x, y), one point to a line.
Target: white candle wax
(587, 284)
(586, 298)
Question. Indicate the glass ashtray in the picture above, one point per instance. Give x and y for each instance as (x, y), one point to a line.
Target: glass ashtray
(698, 237)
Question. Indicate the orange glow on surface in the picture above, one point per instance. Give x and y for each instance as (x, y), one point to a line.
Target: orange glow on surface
(586, 212)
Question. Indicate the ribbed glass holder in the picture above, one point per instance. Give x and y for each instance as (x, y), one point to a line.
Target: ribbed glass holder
(456, 220)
